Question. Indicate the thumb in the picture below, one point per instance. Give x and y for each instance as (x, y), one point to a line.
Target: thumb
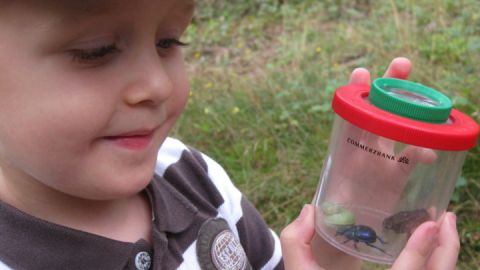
(418, 249)
(296, 239)
(399, 68)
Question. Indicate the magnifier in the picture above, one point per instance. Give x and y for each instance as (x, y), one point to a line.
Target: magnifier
(396, 150)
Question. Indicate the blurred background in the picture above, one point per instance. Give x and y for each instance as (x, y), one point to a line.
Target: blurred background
(263, 73)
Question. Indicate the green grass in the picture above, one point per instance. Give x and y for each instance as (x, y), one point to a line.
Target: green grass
(263, 73)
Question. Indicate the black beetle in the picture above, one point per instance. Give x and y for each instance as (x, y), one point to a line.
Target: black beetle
(361, 233)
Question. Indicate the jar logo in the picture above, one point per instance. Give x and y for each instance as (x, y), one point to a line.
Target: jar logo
(403, 160)
(373, 151)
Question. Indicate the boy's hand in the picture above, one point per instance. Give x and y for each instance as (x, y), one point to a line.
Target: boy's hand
(399, 68)
(432, 246)
(296, 241)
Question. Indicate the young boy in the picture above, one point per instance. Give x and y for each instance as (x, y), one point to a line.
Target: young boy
(89, 91)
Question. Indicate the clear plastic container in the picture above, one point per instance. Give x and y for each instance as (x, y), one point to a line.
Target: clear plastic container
(395, 154)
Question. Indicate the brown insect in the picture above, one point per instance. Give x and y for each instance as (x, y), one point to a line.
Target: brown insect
(406, 221)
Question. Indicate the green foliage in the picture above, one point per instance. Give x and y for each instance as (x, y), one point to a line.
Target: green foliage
(263, 73)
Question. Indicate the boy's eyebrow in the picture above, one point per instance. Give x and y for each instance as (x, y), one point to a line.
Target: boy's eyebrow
(80, 8)
(87, 7)
(83, 7)
(74, 7)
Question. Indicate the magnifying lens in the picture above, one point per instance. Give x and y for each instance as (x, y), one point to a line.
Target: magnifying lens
(410, 99)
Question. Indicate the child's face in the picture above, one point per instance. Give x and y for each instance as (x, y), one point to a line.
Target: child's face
(87, 98)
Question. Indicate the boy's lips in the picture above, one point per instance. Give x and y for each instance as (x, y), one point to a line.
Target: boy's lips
(134, 140)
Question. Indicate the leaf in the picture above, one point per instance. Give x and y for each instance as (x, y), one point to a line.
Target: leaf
(461, 182)
(460, 101)
(320, 108)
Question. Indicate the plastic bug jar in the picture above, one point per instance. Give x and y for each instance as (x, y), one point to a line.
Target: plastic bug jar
(395, 153)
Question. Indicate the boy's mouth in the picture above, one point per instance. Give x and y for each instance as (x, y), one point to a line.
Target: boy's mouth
(135, 140)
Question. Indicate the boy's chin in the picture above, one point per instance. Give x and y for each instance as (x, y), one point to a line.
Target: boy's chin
(133, 187)
(120, 188)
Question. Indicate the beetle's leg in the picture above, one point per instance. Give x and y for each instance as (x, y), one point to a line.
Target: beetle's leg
(381, 240)
(346, 241)
(341, 230)
(373, 246)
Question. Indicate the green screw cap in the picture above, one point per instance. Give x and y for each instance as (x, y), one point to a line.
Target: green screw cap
(410, 99)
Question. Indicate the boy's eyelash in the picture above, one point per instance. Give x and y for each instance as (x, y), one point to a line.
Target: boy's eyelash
(169, 42)
(93, 54)
(101, 52)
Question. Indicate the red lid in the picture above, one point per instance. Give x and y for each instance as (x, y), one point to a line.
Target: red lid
(459, 133)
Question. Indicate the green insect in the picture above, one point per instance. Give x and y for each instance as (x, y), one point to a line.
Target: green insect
(337, 215)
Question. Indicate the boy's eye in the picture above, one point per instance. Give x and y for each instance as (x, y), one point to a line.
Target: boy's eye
(169, 42)
(94, 55)
(99, 55)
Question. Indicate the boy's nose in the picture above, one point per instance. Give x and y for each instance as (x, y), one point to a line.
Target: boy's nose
(151, 84)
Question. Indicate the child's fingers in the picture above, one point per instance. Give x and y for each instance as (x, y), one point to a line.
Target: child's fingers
(418, 249)
(445, 256)
(399, 68)
(360, 76)
(296, 239)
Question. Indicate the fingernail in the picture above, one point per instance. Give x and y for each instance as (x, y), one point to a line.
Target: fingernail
(452, 219)
(303, 213)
